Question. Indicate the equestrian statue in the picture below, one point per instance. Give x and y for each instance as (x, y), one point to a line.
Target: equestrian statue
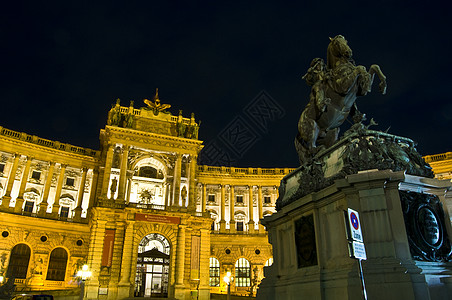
(335, 87)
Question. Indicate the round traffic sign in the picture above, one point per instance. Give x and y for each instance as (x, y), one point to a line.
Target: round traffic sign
(354, 220)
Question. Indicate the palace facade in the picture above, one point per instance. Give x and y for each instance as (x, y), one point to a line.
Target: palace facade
(140, 212)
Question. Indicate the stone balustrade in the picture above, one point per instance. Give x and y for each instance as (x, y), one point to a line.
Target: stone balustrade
(47, 143)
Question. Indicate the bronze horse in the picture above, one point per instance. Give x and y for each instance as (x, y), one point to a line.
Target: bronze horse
(335, 87)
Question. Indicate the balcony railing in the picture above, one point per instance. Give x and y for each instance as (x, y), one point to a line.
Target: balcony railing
(146, 206)
(438, 157)
(244, 171)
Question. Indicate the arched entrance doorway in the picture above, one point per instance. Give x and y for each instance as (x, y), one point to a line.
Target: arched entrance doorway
(152, 266)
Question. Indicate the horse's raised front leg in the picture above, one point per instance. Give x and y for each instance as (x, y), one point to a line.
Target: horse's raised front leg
(375, 69)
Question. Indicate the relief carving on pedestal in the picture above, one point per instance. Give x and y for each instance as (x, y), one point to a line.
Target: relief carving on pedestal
(425, 227)
(305, 241)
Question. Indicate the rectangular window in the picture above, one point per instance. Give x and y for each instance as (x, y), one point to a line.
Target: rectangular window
(29, 206)
(70, 181)
(267, 199)
(239, 226)
(239, 199)
(64, 213)
(2, 168)
(36, 175)
(211, 198)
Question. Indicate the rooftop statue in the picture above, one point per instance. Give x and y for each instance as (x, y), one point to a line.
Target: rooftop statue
(156, 106)
(335, 87)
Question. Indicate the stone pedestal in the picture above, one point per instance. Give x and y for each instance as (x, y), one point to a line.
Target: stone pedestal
(406, 237)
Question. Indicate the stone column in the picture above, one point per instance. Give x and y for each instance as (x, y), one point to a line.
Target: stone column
(93, 193)
(176, 180)
(23, 183)
(56, 202)
(12, 176)
(260, 208)
(107, 171)
(81, 192)
(180, 254)
(250, 209)
(44, 203)
(123, 173)
(204, 196)
(126, 261)
(129, 186)
(192, 184)
(232, 228)
(167, 193)
(222, 210)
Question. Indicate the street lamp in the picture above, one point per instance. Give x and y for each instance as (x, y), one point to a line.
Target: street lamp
(228, 279)
(84, 274)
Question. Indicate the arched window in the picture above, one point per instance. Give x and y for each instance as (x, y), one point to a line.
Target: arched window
(269, 262)
(18, 263)
(242, 272)
(57, 265)
(214, 272)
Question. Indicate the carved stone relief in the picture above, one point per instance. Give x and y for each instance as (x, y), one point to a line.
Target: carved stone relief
(425, 226)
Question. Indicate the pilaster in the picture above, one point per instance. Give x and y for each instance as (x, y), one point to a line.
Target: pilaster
(107, 170)
(81, 192)
(11, 178)
(222, 210)
(44, 203)
(23, 184)
(95, 257)
(260, 210)
(123, 173)
(176, 180)
(204, 196)
(56, 202)
(232, 228)
(250, 210)
(192, 183)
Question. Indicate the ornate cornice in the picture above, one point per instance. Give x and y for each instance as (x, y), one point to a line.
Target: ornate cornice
(147, 139)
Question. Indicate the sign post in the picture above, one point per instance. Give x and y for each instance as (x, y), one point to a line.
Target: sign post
(356, 246)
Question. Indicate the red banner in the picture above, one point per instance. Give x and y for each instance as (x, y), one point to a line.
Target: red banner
(107, 254)
(157, 218)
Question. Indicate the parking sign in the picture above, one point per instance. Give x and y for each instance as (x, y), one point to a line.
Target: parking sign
(355, 225)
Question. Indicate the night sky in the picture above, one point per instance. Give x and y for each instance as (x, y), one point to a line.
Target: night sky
(64, 64)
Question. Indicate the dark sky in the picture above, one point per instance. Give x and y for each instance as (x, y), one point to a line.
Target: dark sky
(64, 64)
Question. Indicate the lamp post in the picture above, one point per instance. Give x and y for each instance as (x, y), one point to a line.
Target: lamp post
(228, 279)
(83, 274)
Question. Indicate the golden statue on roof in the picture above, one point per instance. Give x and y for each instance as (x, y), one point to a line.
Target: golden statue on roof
(156, 106)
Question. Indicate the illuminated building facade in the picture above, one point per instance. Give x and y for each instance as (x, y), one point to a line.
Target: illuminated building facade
(140, 213)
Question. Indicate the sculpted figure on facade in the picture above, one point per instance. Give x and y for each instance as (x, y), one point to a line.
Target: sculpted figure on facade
(114, 184)
(180, 125)
(335, 87)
